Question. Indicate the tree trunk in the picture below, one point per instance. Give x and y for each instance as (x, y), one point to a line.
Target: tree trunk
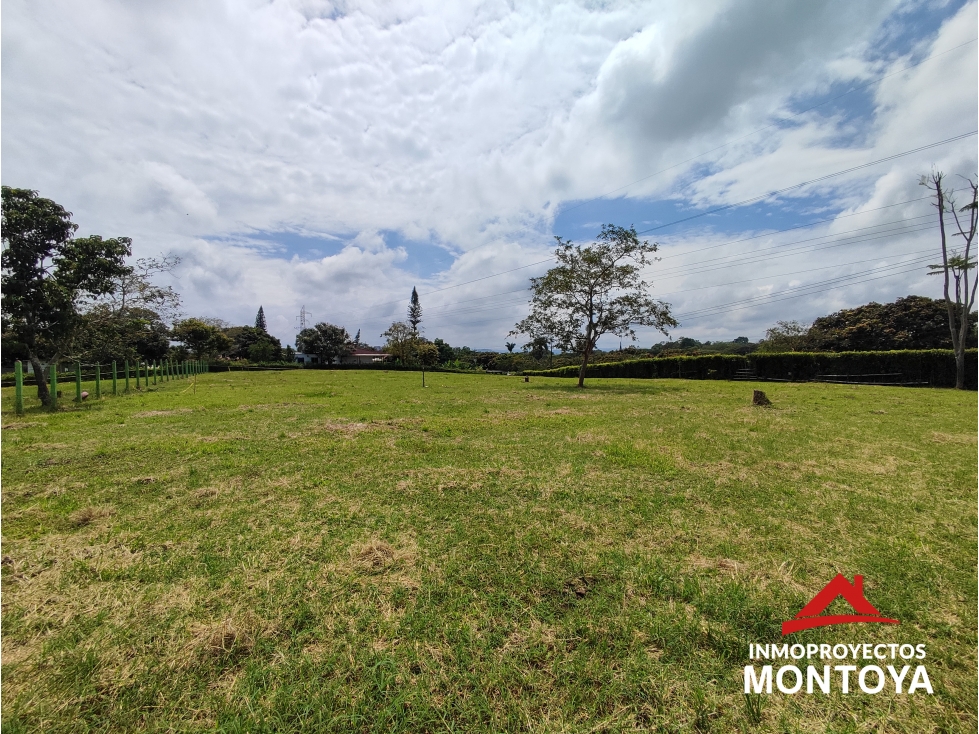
(43, 394)
(960, 367)
(581, 372)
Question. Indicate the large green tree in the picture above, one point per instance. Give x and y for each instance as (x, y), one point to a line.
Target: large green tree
(401, 338)
(251, 342)
(593, 291)
(203, 339)
(133, 320)
(914, 322)
(136, 333)
(328, 341)
(48, 274)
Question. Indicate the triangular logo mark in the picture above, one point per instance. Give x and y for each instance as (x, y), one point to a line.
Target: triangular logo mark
(809, 616)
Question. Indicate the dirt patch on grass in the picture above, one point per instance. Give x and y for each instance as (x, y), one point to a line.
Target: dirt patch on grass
(155, 413)
(230, 639)
(374, 556)
(87, 515)
(19, 426)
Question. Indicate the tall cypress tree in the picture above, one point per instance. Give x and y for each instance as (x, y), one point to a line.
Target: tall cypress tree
(414, 311)
(260, 319)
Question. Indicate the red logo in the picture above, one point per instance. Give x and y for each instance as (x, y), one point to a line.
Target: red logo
(809, 615)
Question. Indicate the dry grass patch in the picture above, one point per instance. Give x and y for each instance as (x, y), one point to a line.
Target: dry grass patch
(87, 515)
(223, 640)
(155, 413)
(726, 566)
(963, 438)
(347, 429)
(373, 556)
(19, 426)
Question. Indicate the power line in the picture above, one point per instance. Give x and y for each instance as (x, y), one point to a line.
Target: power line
(712, 150)
(796, 272)
(767, 127)
(767, 254)
(736, 305)
(721, 285)
(441, 318)
(762, 197)
(802, 290)
(709, 247)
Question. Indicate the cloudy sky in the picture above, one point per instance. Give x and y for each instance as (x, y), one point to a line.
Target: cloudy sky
(336, 154)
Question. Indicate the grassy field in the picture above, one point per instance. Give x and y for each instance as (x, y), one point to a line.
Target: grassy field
(345, 551)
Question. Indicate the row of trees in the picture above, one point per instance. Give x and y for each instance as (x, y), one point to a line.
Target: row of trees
(404, 342)
(914, 322)
(68, 298)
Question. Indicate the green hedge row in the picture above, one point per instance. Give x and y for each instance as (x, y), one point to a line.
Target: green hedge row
(934, 367)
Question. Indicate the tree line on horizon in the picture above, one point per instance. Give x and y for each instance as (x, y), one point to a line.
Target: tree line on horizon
(68, 298)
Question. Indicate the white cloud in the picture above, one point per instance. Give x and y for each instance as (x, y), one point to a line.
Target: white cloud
(189, 126)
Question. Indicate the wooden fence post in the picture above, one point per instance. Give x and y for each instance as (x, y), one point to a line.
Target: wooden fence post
(115, 379)
(19, 387)
(98, 381)
(54, 387)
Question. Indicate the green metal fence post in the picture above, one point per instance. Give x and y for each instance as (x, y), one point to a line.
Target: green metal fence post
(78, 382)
(98, 381)
(19, 387)
(127, 375)
(115, 379)
(154, 371)
(54, 387)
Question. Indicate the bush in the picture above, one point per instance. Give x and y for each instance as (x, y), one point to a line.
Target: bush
(934, 367)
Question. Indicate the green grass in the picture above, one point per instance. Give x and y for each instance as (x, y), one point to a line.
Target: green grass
(344, 551)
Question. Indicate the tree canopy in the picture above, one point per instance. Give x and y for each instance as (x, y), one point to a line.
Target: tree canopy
(201, 338)
(594, 290)
(48, 274)
(913, 322)
(328, 341)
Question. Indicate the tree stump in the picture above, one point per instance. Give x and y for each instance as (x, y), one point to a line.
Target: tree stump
(526, 379)
(760, 398)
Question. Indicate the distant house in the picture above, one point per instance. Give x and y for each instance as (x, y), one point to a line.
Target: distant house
(359, 355)
(365, 355)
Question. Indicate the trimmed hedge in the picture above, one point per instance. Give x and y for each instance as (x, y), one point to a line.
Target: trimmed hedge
(934, 367)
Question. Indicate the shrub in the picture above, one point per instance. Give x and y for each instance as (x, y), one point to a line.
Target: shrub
(934, 367)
